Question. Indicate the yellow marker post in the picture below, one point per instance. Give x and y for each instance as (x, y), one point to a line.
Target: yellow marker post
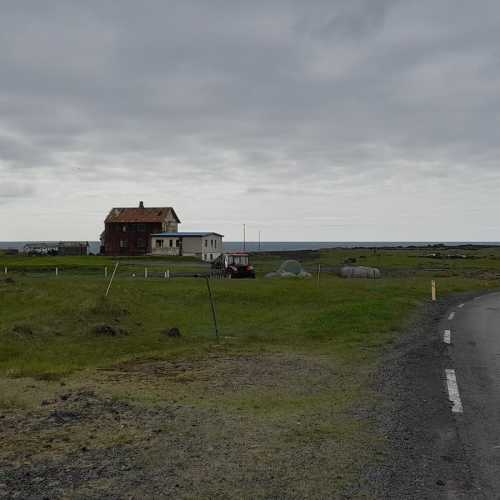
(433, 290)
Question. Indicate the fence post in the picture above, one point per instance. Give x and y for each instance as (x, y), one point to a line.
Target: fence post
(111, 280)
(106, 272)
(212, 305)
(57, 271)
(168, 274)
(319, 272)
(146, 273)
(5, 270)
(433, 291)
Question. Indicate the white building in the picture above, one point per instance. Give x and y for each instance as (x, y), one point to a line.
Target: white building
(206, 246)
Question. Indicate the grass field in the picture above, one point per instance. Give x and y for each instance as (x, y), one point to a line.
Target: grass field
(287, 387)
(47, 324)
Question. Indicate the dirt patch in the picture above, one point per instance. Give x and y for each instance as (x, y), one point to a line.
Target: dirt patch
(22, 331)
(109, 331)
(172, 332)
(261, 426)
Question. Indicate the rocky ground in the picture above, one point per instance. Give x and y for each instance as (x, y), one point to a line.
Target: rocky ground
(248, 427)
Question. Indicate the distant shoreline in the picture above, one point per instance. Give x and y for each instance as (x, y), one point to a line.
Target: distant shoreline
(304, 246)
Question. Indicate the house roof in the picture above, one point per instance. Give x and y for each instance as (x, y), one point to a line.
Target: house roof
(141, 214)
(192, 234)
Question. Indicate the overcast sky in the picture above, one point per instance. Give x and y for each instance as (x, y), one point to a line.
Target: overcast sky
(335, 120)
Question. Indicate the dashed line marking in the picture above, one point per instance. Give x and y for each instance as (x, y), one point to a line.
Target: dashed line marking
(461, 305)
(447, 337)
(453, 394)
(451, 316)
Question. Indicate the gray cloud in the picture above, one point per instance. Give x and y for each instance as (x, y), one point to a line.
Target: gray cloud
(15, 190)
(238, 110)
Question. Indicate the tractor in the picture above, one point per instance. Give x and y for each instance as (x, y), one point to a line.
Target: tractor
(234, 265)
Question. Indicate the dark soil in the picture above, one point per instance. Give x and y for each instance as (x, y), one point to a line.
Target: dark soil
(172, 332)
(22, 331)
(249, 427)
(109, 330)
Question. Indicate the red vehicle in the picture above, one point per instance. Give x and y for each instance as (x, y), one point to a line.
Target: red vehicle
(235, 265)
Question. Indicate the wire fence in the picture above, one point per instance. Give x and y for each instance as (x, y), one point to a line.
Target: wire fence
(105, 272)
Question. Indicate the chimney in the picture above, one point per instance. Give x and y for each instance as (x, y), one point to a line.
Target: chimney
(141, 204)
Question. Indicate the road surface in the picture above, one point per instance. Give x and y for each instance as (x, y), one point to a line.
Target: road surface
(471, 330)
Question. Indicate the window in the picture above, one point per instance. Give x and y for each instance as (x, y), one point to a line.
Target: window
(124, 229)
(123, 243)
(159, 243)
(170, 243)
(141, 227)
(177, 243)
(141, 243)
(206, 243)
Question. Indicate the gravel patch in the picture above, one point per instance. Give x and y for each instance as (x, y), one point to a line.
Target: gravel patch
(259, 427)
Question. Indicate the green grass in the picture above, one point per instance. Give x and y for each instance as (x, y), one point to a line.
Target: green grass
(349, 319)
(46, 325)
(414, 260)
(95, 264)
(289, 377)
(486, 258)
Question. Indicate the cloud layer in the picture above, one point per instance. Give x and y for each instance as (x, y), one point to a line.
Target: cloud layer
(328, 120)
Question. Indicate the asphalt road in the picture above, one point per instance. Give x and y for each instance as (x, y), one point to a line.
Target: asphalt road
(474, 355)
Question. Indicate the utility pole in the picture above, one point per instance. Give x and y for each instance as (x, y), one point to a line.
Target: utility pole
(244, 237)
(259, 239)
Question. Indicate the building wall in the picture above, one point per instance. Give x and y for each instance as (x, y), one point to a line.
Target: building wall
(165, 245)
(211, 247)
(192, 246)
(129, 239)
(170, 226)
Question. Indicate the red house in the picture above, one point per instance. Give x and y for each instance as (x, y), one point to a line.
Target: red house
(127, 231)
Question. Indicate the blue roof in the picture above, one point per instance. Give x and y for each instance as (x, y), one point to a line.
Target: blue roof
(187, 235)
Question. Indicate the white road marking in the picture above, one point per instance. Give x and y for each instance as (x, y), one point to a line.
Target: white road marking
(453, 394)
(451, 316)
(447, 337)
(461, 305)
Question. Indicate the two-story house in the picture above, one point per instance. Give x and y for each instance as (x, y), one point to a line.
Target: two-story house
(127, 231)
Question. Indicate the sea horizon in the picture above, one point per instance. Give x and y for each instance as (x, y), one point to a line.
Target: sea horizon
(275, 246)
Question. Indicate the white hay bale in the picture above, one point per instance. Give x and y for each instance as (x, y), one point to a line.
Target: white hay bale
(360, 272)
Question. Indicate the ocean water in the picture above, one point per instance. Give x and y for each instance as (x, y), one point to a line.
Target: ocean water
(274, 246)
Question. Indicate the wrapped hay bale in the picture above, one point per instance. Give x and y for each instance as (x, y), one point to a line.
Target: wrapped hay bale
(289, 269)
(360, 272)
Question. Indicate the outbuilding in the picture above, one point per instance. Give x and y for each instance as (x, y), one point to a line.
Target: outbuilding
(205, 245)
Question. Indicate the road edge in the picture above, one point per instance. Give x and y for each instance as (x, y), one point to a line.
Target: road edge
(425, 457)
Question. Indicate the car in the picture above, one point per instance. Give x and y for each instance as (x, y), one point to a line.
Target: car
(234, 265)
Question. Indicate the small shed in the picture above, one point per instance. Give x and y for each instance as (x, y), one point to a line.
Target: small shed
(73, 248)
